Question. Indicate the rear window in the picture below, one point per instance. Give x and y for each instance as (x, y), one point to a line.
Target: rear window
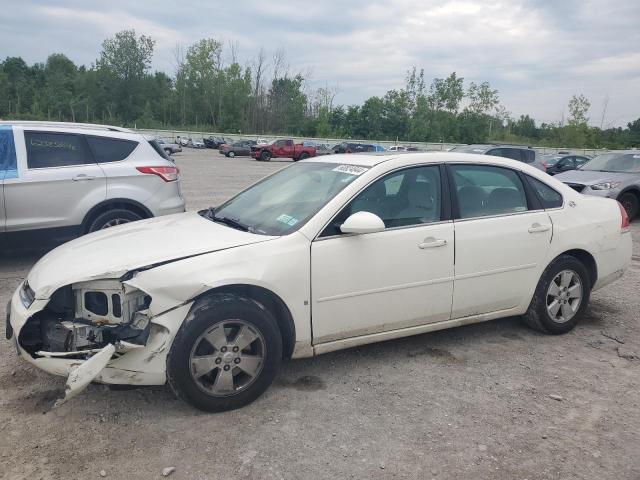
(159, 150)
(106, 149)
(49, 149)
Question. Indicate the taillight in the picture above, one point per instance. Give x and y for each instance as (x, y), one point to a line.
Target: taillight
(625, 224)
(168, 174)
(544, 164)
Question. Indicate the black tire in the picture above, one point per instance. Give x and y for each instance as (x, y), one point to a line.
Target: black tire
(204, 316)
(115, 217)
(265, 156)
(302, 156)
(231, 154)
(630, 202)
(537, 315)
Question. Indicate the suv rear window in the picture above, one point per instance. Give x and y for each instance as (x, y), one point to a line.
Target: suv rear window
(52, 149)
(159, 150)
(107, 149)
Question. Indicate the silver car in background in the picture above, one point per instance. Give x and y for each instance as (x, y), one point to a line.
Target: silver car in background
(62, 180)
(614, 175)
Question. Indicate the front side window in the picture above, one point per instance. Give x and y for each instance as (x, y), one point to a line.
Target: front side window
(549, 198)
(48, 149)
(409, 197)
(106, 149)
(485, 190)
(286, 200)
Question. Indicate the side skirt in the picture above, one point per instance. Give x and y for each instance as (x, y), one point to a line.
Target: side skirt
(406, 332)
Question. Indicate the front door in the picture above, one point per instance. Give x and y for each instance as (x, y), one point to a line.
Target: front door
(501, 239)
(8, 165)
(396, 278)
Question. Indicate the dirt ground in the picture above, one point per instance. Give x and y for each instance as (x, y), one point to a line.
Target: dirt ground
(469, 403)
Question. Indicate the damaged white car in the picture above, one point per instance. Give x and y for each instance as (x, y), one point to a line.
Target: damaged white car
(326, 254)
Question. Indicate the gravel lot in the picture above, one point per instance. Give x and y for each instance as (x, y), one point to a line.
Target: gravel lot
(473, 402)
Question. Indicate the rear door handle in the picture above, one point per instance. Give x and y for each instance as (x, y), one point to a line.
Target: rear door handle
(431, 242)
(536, 227)
(82, 176)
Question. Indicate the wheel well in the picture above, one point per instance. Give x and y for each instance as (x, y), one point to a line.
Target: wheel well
(635, 191)
(588, 261)
(116, 203)
(273, 303)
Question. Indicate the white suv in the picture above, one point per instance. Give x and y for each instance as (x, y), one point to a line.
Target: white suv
(61, 180)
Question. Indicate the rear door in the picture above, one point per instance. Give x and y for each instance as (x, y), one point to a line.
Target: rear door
(502, 237)
(59, 182)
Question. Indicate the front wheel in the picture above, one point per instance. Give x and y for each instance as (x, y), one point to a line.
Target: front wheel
(231, 154)
(226, 355)
(265, 156)
(630, 203)
(561, 297)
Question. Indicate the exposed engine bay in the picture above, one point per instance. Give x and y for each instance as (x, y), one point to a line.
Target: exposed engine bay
(83, 318)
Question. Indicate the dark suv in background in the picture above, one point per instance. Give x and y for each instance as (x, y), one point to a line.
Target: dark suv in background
(515, 152)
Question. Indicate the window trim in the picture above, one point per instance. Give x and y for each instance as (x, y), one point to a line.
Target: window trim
(454, 197)
(111, 138)
(445, 203)
(82, 138)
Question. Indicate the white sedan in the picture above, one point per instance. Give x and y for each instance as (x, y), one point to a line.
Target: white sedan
(326, 254)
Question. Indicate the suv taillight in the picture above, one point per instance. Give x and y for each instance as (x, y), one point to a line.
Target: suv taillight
(168, 174)
(625, 224)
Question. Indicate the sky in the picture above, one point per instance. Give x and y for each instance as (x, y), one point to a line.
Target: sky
(536, 53)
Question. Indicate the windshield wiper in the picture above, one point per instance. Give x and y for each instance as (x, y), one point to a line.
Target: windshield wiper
(230, 222)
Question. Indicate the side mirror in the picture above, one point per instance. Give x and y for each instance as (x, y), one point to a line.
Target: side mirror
(362, 222)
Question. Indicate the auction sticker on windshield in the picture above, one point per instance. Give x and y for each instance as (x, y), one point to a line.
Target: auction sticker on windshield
(351, 169)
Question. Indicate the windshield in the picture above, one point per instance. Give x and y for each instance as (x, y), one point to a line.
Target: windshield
(551, 159)
(286, 200)
(470, 149)
(614, 162)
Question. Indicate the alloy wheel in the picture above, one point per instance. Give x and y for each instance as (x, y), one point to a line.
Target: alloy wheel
(564, 296)
(227, 358)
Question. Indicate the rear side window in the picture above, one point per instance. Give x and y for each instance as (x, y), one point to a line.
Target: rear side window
(528, 156)
(159, 150)
(484, 191)
(549, 198)
(106, 149)
(48, 149)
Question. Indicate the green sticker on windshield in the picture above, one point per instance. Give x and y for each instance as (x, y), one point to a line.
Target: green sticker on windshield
(288, 219)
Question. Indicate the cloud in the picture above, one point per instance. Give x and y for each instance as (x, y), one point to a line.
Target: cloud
(537, 53)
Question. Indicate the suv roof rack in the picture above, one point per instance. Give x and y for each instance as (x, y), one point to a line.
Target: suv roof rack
(91, 126)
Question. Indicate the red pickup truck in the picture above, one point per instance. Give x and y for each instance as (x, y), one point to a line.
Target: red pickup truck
(282, 149)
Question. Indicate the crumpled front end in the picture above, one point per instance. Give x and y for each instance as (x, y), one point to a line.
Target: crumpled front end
(98, 330)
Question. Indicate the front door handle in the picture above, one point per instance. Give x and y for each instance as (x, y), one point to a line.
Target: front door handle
(536, 227)
(431, 242)
(82, 176)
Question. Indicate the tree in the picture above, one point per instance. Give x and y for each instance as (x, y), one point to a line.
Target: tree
(578, 108)
(446, 94)
(482, 97)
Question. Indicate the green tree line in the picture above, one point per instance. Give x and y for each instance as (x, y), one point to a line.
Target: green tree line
(211, 91)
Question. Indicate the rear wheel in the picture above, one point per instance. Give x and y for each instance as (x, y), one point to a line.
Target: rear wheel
(303, 155)
(265, 156)
(561, 297)
(226, 355)
(112, 218)
(630, 203)
(231, 154)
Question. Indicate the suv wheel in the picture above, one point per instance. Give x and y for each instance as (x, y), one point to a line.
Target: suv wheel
(265, 156)
(111, 218)
(561, 297)
(225, 355)
(630, 203)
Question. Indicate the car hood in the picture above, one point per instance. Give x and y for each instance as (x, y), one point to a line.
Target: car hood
(113, 252)
(591, 177)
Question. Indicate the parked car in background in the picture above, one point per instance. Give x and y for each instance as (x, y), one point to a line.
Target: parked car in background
(198, 144)
(321, 148)
(378, 148)
(614, 175)
(184, 141)
(330, 253)
(554, 163)
(515, 152)
(350, 147)
(169, 148)
(262, 141)
(241, 148)
(283, 148)
(61, 180)
(214, 142)
(396, 148)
